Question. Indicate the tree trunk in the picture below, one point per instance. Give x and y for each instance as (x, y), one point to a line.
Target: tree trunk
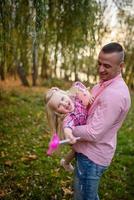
(130, 78)
(34, 70)
(2, 73)
(75, 65)
(56, 52)
(22, 75)
(45, 64)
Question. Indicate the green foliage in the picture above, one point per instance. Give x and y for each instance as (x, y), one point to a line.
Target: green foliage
(64, 28)
(25, 170)
(46, 36)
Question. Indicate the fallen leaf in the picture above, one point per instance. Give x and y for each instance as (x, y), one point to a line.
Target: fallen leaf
(29, 157)
(3, 154)
(8, 163)
(67, 191)
(2, 193)
(32, 157)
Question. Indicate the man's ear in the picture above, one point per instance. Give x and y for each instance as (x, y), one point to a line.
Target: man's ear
(122, 66)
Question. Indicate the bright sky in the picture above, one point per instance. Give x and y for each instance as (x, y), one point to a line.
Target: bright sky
(112, 10)
(111, 18)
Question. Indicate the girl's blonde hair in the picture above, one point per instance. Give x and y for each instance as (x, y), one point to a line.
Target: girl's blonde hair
(54, 118)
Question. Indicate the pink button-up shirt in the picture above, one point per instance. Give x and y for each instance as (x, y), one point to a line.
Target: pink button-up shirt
(105, 117)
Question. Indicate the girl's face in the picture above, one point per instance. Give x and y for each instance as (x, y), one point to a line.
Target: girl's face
(61, 102)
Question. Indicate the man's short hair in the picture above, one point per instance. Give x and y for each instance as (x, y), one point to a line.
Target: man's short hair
(114, 47)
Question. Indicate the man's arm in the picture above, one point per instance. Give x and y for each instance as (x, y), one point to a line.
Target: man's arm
(105, 116)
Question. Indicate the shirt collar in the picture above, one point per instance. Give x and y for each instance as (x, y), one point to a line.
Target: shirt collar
(106, 83)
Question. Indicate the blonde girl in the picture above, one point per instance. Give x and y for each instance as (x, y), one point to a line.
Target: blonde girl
(65, 110)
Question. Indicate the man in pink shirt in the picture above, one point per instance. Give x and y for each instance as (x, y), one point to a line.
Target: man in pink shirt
(97, 145)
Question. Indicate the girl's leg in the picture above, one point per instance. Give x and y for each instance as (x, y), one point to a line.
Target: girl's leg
(69, 157)
(66, 162)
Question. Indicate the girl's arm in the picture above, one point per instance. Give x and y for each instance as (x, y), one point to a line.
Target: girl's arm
(68, 135)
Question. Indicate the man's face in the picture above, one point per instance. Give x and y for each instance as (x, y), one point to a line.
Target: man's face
(109, 65)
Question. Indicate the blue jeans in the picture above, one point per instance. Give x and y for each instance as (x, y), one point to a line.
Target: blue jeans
(87, 177)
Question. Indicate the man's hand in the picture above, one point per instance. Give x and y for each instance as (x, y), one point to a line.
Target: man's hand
(68, 135)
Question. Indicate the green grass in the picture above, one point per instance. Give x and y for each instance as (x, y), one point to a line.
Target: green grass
(25, 170)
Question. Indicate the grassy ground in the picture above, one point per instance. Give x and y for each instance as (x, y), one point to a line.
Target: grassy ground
(27, 173)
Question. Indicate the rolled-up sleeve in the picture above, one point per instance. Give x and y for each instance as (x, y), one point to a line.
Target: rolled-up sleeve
(105, 115)
(68, 121)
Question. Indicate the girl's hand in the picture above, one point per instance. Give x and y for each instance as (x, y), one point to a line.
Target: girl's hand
(68, 135)
(86, 97)
(91, 99)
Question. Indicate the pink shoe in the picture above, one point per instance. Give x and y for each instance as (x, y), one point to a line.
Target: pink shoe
(67, 167)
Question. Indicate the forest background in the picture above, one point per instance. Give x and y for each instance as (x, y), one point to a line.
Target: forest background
(46, 43)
